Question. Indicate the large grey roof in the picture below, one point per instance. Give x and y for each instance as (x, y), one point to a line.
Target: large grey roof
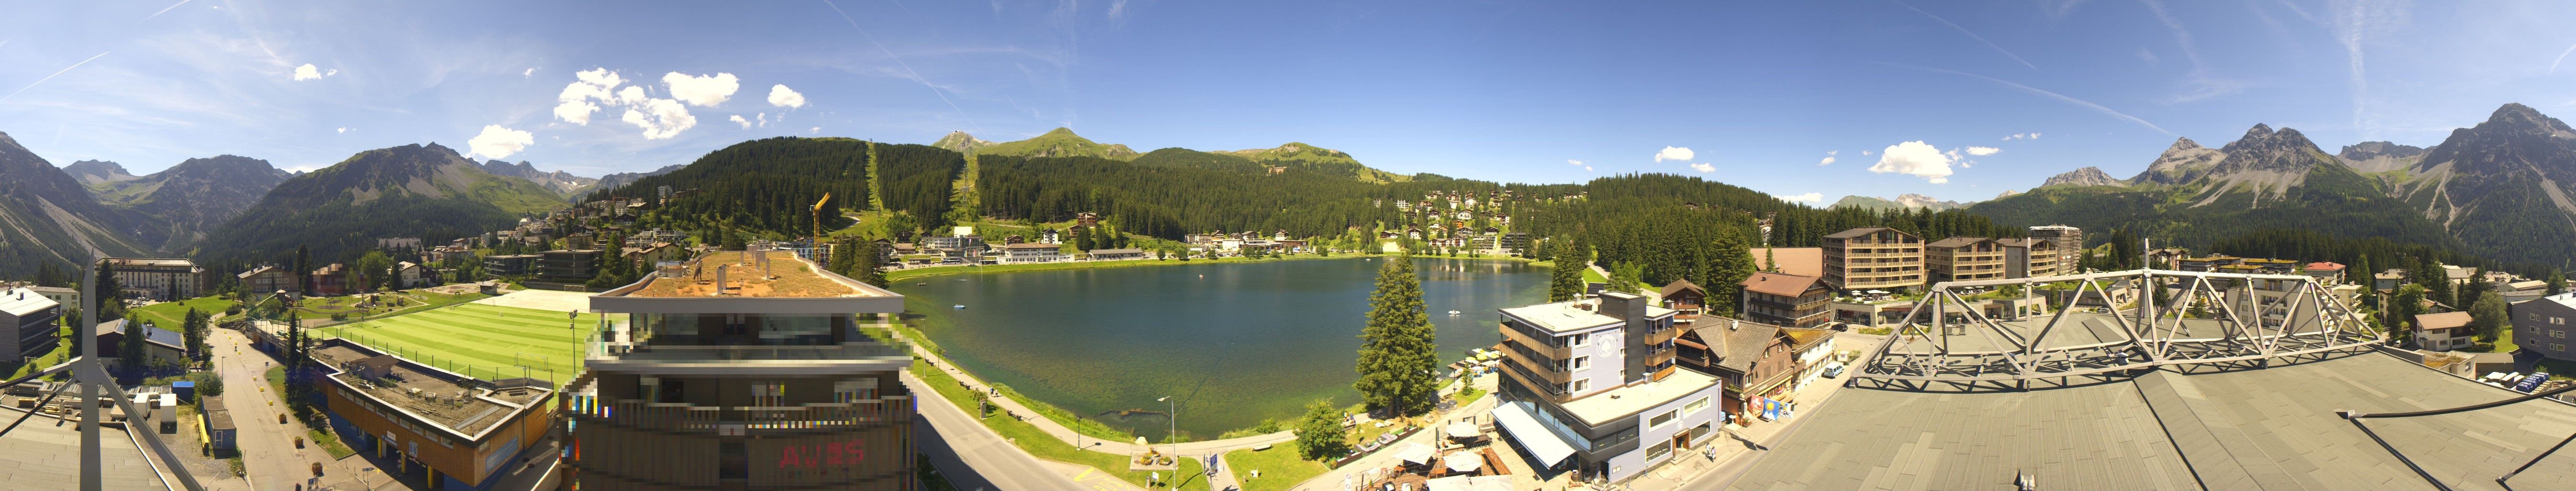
(2267, 428)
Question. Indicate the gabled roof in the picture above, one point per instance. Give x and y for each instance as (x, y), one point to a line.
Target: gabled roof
(2324, 266)
(1786, 285)
(2443, 320)
(255, 272)
(1956, 242)
(1678, 286)
(1846, 234)
(1737, 343)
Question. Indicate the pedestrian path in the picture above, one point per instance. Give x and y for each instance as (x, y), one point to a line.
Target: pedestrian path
(1087, 442)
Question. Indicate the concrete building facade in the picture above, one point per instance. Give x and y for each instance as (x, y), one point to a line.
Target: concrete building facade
(1591, 386)
(1964, 259)
(711, 376)
(2069, 242)
(1869, 258)
(33, 322)
(2542, 326)
(164, 279)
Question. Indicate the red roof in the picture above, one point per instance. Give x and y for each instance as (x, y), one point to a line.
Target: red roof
(2324, 266)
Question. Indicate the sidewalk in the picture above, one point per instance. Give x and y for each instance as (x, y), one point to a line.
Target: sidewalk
(1087, 442)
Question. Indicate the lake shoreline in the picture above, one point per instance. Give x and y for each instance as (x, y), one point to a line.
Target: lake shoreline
(908, 274)
(1035, 393)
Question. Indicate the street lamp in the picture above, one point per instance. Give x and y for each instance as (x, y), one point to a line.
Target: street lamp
(1172, 414)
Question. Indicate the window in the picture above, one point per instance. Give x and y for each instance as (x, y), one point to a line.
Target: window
(768, 395)
(2558, 320)
(853, 391)
(2558, 334)
(1578, 386)
(1695, 406)
(1659, 451)
(1581, 362)
(2557, 347)
(1663, 419)
(1579, 339)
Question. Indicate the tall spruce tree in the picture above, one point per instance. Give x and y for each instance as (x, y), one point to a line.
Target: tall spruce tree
(1397, 350)
(1727, 271)
(130, 351)
(2557, 282)
(869, 263)
(1565, 280)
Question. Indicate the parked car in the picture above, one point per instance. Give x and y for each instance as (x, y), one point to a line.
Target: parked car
(1835, 370)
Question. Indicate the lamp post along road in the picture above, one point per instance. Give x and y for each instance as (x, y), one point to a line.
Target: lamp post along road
(1172, 414)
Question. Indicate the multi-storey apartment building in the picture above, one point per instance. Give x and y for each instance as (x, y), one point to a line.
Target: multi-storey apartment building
(1786, 299)
(2070, 245)
(266, 279)
(2541, 326)
(1873, 258)
(1964, 259)
(568, 266)
(159, 278)
(742, 371)
(1591, 386)
(33, 322)
(2029, 258)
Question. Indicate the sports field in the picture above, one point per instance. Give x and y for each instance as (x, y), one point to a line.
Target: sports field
(483, 341)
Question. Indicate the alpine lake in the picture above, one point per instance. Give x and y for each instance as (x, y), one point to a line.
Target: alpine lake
(1234, 343)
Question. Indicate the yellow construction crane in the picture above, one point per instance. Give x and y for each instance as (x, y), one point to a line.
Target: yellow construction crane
(818, 217)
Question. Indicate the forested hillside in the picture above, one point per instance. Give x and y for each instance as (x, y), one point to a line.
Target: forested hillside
(421, 191)
(768, 187)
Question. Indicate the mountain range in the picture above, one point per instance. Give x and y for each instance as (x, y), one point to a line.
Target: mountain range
(562, 182)
(1062, 142)
(426, 191)
(2498, 189)
(1906, 201)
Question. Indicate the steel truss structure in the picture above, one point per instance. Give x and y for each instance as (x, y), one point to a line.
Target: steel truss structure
(96, 384)
(2126, 322)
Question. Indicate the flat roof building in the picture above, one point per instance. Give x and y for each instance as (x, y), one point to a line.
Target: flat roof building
(451, 426)
(33, 322)
(1590, 386)
(165, 279)
(1964, 259)
(2541, 326)
(1870, 258)
(743, 370)
(2027, 258)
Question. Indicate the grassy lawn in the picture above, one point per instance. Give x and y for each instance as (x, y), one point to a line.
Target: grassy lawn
(276, 380)
(485, 341)
(62, 351)
(1005, 268)
(1469, 395)
(1280, 466)
(329, 443)
(1590, 276)
(169, 314)
(1038, 443)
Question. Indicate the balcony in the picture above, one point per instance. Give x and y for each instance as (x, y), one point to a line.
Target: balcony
(665, 416)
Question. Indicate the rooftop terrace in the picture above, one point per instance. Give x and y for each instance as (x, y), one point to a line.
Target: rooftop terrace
(786, 277)
(433, 396)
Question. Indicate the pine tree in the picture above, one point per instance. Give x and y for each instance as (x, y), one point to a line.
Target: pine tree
(2359, 273)
(2409, 302)
(1565, 280)
(303, 269)
(2557, 282)
(1727, 272)
(194, 327)
(2437, 284)
(130, 351)
(1397, 349)
(868, 263)
(110, 293)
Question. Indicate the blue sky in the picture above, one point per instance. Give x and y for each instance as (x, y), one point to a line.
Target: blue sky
(1759, 93)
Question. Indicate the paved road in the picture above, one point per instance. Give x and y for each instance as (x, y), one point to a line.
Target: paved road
(267, 448)
(971, 455)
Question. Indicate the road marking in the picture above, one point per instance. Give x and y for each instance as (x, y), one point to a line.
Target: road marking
(1086, 473)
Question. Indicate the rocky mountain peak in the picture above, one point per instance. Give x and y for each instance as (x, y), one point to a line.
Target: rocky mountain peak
(98, 171)
(2183, 144)
(2370, 150)
(959, 141)
(2088, 176)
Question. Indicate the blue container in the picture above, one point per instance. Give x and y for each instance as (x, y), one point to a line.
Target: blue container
(186, 390)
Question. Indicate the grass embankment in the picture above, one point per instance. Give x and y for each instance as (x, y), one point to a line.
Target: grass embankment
(1280, 466)
(483, 341)
(276, 380)
(329, 443)
(62, 352)
(168, 315)
(1038, 443)
(414, 301)
(896, 276)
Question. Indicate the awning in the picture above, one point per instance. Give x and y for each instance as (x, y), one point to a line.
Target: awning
(1416, 454)
(1524, 427)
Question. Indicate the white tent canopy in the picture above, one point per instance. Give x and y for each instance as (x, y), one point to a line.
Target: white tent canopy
(1469, 483)
(1463, 462)
(1462, 429)
(1415, 453)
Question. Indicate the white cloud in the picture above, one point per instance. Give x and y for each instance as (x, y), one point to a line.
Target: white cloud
(631, 95)
(1914, 158)
(2023, 136)
(1675, 153)
(2034, 135)
(1572, 162)
(1804, 198)
(763, 119)
(817, 129)
(498, 142)
(1703, 167)
(781, 96)
(1829, 158)
(737, 119)
(1984, 151)
(660, 118)
(344, 129)
(1866, 153)
(309, 72)
(531, 72)
(1587, 168)
(701, 91)
(573, 105)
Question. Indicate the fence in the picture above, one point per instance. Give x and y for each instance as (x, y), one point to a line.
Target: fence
(540, 370)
